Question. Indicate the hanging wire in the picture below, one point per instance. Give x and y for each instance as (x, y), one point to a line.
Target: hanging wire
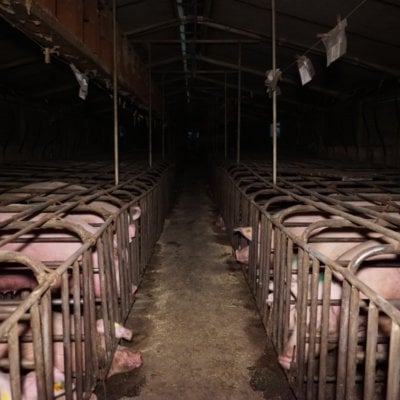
(320, 40)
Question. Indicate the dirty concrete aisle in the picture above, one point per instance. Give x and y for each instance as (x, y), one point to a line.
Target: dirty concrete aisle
(194, 319)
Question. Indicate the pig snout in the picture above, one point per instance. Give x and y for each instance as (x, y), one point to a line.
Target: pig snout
(242, 255)
(124, 360)
(119, 330)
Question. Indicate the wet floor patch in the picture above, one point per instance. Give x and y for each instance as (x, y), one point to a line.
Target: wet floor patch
(120, 385)
(267, 377)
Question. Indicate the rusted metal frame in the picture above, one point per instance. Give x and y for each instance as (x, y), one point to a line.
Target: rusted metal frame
(254, 249)
(301, 328)
(38, 355)
(393, 379)
(115, 91)
(239, 96)
(277, 260)
(124, 262)
(348, 276)
(68, 331)
(89, 355)
(322, 371)
(263, 288)
(76, 294)
(379, 214)
(352, 343)
(49, 279)
(38, 208)
(329, 208)
(116, 292)
(370, 352)
(107, 308)
(14, 358)
(314, 335)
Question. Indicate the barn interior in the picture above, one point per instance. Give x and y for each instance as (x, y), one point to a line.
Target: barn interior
(192, 51)
(120, 95)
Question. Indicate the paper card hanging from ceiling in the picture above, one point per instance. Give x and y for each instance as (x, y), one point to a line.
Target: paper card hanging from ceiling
(83, 81)
(335, 42)
(306, 69)
(271, 81)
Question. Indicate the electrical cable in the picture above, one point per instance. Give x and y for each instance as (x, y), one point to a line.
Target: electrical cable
(320, 40)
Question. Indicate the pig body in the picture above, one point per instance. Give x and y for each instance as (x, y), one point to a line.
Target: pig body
(383, 280)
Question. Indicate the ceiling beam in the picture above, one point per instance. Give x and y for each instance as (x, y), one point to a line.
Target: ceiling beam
(257, 36)
(196, 41)
(324, 27)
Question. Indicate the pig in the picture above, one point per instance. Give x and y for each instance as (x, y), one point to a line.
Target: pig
(383, 280)
(242, 253)
(48, 252)
(29, 386)
(220, 223)
(124, 360)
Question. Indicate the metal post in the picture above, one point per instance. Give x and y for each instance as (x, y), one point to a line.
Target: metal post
(150, 113)
(115, 93)
(274, 143)
(225, 121)
(239, 103)
(163, 121)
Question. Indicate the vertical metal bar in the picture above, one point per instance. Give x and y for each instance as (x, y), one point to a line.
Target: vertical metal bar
(273, 96)
(225, 120)
(15, 368)
(370, 352)
(115, 93)
(163, 121)
(352, 344)
(239, 103)
(393, 388)
(150, 112)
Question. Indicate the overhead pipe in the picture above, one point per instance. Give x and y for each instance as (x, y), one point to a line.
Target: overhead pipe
(115, 94)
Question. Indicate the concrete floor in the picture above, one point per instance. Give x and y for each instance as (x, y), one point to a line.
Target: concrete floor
(194, 320)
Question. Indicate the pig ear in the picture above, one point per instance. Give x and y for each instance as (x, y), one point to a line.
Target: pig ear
(246, 231)
(135, 213)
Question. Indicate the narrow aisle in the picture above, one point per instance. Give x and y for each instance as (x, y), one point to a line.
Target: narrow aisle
(194, 319)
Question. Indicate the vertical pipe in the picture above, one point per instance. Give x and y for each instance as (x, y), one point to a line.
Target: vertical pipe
(150, 113)
(163, 121)
(273, 95)
(115, 93)
(225, 122)
(239, 103)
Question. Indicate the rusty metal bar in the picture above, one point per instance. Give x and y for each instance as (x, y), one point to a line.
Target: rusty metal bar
(239, 99)
(274, 100)
(225, 118)
(115, 92)
(150, 111)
